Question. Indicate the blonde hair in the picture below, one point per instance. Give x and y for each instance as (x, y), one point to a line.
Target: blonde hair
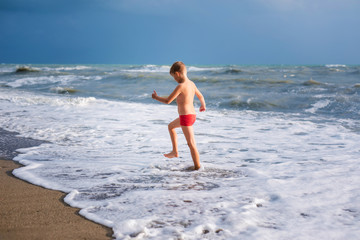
(177, 67)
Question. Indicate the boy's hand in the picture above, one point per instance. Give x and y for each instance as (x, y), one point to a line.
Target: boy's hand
(202, 109)
(154, 95)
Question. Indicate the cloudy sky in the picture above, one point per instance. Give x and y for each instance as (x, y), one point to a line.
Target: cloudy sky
(195, 31)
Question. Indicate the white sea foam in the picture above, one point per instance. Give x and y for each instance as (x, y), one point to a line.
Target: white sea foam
(264, 176)
(65, 68)
(62, 79)
(149, 68)
(46, 101)
(198, 69)
(7, 69)
(318, 105)
(166, 69)
(335, 65)
(19, 82)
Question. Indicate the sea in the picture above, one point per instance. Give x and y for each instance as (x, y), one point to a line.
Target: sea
(279, 147)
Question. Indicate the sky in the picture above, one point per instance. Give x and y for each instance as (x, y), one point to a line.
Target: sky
(198, 32)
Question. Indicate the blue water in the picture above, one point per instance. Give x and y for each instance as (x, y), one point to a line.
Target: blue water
(261, 88)
(278, 145)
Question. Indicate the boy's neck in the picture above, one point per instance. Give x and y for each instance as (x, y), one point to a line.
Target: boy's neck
(180, 77)
(182, 80)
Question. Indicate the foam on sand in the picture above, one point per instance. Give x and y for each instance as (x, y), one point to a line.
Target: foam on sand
(279, 160)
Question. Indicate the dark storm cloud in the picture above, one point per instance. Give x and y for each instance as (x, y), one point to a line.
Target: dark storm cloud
(197, 31)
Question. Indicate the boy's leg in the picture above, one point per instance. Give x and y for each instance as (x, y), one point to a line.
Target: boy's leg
(190, 139)
(174, 124)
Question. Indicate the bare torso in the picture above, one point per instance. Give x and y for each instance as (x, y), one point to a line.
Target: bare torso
(185, 100)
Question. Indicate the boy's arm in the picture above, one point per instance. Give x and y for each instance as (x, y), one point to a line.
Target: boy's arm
(202, 100)
(170, 98)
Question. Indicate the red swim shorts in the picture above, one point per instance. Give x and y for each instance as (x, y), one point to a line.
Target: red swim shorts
(187, 120)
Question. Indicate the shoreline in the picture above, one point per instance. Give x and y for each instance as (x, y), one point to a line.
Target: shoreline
(30, 212)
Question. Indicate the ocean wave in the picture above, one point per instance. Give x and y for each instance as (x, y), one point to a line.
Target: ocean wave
(6, 69)
(312, 82)
(335, 66)
(64, 90)
(200, 69)
(219, 84)
(49, 101)
(226, 70)
(44, 69)
(56, 79)
(148, 68)
(262, 81)
(205, 79)
(4, 85)
(318, 105)
(232, 71)
(20, 82)
(25, 69)
(250, 104)
(355, 72)
(66, 68)
(166, 69)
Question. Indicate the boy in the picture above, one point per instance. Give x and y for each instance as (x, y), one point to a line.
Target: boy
(184, 94)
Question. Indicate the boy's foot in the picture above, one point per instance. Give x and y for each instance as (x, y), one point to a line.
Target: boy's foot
(192, 168)
(197, 167)
(171, 155)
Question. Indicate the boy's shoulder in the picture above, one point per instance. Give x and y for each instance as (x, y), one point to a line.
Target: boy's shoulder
(192, 83)
(187, 83)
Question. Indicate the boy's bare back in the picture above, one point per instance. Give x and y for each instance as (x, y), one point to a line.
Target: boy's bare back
(185, 100)
(184, 94)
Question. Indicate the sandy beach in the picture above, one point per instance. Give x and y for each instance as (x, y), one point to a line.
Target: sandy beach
(31, 212)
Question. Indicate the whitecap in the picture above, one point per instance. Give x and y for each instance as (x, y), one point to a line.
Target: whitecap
(318, 105)
(27, 81)
(149, 68)
(64, 90)
(335, 65)
(65, 68)
(25, 99)
(199, 69)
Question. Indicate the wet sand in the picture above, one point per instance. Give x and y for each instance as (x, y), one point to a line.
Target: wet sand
(31, 212)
